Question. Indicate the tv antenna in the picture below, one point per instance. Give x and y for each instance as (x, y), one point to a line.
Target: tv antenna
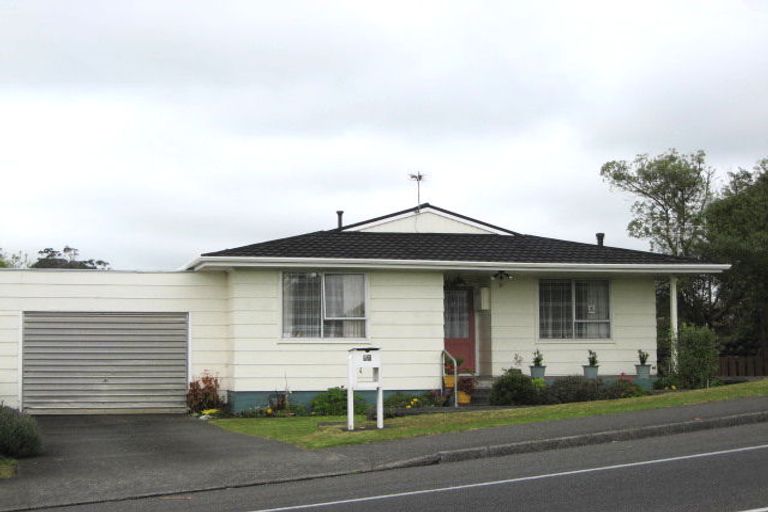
(418, 178)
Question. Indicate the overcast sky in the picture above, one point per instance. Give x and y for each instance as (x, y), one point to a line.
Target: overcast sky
(145, 133)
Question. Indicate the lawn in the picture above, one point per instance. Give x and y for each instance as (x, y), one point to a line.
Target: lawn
(311, 431)
(7, 467)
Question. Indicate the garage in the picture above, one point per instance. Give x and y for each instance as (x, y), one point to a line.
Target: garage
(105, 362)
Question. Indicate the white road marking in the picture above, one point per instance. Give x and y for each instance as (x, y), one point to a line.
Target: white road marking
(523, 479)
(765, 509)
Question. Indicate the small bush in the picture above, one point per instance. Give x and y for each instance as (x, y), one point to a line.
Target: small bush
(574, 388)
(334, 403)
(697, 361)
(204, 394)
(621, 389)
(19, 435)
(514, 388)
(669, 382)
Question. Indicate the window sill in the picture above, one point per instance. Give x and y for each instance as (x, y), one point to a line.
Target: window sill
(323, 341)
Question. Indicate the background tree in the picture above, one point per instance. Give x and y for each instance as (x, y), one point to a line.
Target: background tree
(672, 192)
(737, 233)
(15, 260)
(67, 258)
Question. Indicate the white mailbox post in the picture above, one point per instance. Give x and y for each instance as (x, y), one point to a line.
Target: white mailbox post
(361, 358)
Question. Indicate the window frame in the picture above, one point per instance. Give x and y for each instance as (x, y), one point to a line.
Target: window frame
(323, 318)
(574, 321)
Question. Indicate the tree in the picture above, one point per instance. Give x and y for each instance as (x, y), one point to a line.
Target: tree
(737, 233)
(66, 259)
(672, 191)
(16, 260)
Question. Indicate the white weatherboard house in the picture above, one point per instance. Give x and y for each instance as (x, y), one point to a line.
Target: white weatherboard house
(284, 313)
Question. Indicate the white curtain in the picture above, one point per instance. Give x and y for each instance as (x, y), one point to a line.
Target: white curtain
(592, 310)
(555, 309)
(302, 304)
(456, 314)
(344, 306)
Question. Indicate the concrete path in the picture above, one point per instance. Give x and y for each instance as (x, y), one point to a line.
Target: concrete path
(97, 458)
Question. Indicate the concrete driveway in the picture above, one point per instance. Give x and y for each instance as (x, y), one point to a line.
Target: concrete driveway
(94, 458)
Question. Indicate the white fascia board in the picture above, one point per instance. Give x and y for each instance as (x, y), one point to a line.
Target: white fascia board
(227, 262)
(429, 209)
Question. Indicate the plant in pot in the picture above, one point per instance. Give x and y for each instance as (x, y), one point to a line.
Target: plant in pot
(466, 388)
(448, 374)
(643, 369)
(538, 369)
(590, 370)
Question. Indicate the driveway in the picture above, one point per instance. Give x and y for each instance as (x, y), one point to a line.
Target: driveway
(93, 458)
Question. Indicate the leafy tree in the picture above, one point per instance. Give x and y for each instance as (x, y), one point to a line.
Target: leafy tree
(16, 260)
(672, 191)
(67, 258)
(737, 225)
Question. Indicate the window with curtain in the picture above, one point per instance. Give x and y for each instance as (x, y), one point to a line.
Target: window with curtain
(456, 314)
(317, 305)
(571, 309)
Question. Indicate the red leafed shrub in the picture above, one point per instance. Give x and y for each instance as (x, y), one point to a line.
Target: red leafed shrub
(203, 393)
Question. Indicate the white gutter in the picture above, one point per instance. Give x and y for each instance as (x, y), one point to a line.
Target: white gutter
(225, 262)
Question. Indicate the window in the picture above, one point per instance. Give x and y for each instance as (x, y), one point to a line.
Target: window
(317, 305)
(574, 309)
(456, 314)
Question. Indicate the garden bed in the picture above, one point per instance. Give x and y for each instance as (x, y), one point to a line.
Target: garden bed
(307, 432)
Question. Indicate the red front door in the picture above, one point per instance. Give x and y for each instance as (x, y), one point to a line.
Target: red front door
(460, 326)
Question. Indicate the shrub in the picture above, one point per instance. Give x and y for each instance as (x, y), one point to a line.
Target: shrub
(204, 393)
(334, 403)
(574, 388)
(19, 435)
(514, 388)
(592, 358)
(697, 361)
(621, 389)
(667, 382)
(642, 355)
(538, 358)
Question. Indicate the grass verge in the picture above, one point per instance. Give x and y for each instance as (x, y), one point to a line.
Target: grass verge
(7, 468)
(310, 431)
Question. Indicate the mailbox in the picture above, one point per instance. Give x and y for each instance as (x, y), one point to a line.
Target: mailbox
(360, 359)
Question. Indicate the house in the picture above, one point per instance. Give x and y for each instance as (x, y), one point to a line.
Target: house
(283, 314)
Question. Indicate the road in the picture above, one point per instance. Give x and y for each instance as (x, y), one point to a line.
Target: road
(717, 470)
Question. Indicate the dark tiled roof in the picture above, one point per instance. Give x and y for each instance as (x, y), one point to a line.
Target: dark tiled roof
(445, 247)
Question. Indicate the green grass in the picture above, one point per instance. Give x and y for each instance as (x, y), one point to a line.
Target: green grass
(307, 431)
(7, 468)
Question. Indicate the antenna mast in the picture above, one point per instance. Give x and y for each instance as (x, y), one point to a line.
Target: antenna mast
(418, 178)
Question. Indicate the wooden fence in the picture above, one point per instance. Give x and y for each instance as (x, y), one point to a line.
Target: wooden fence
(744, 366)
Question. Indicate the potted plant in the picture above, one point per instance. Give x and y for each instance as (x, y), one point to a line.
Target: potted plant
(643, 369)
(538, 369)
(448, 374)
(466, 388)
(590, 370)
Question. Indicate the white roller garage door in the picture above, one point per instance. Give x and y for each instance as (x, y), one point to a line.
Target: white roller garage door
(79, 363)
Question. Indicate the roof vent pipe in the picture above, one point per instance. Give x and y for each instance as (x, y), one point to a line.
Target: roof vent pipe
(340, 214)
(600, 238)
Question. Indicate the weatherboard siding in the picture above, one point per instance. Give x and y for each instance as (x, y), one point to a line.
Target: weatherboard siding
(202, 295)
(514, 327)
(405, 320)
(425, 222)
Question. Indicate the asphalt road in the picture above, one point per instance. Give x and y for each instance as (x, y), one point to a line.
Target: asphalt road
(718, 470)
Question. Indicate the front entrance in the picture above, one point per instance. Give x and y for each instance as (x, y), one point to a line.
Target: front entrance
(459, 313)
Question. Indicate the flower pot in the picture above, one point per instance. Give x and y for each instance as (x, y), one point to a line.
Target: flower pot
(590, 372)
(449, 381)
(464, 398)
(537, 372)
(643, 371)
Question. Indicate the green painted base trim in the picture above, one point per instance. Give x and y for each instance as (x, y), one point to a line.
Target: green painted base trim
(239, 401)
